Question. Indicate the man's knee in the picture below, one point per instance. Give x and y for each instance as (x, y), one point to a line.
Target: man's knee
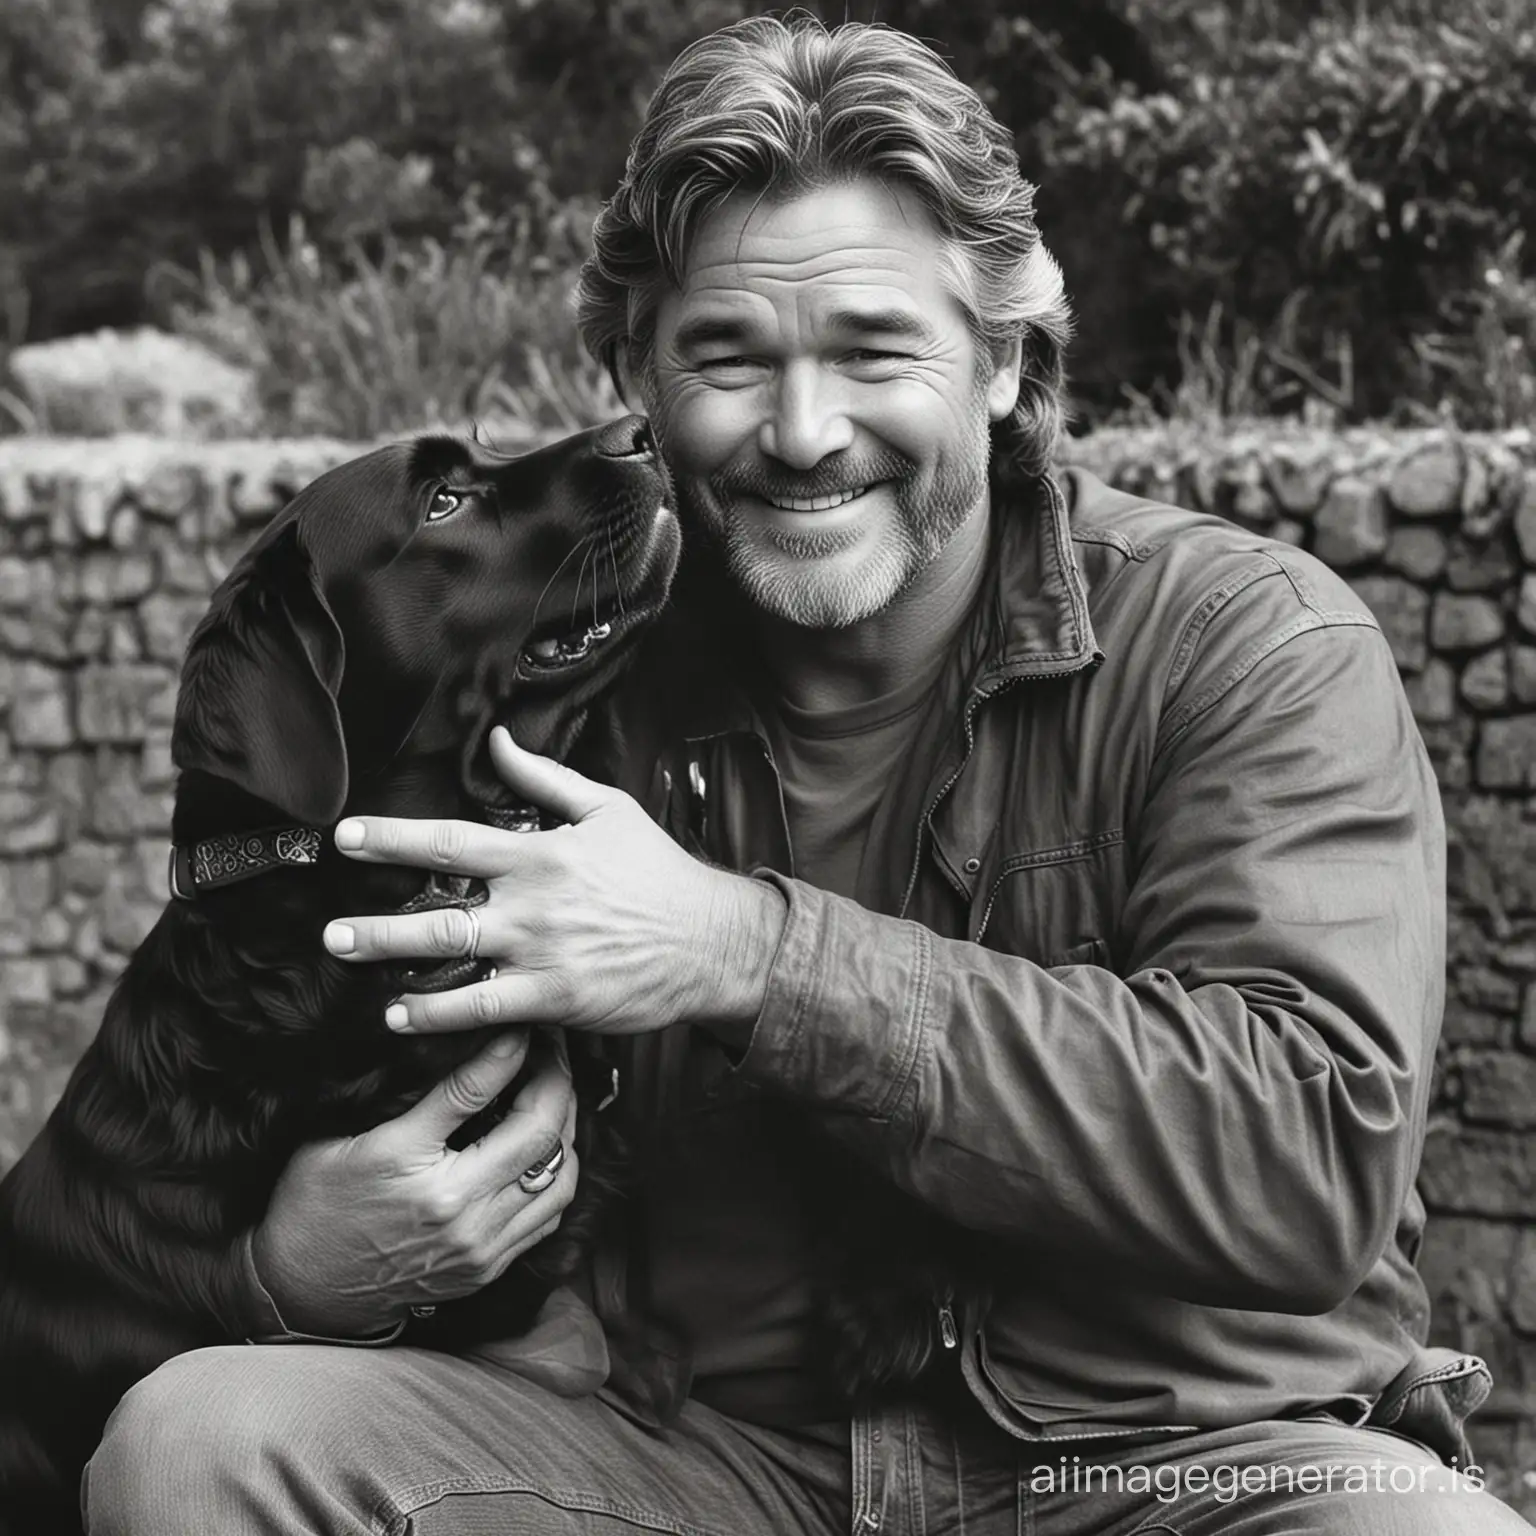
(201, 1436)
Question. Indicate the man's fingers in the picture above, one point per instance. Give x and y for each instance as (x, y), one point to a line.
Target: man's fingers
(549, 785)
(517, 997)
(542, 1117)
(441, 932)
(465, 1091)
(461, 847)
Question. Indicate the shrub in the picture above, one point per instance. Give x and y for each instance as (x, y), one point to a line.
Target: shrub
(410, 333)
(1341, 194)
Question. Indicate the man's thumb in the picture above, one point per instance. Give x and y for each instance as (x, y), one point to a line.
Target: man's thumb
(468, 1088)
(549, 785)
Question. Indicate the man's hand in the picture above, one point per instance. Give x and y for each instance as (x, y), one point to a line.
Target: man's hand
(362, 1228)
(604, 924)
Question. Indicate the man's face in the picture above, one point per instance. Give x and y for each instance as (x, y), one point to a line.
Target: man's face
(820, 400)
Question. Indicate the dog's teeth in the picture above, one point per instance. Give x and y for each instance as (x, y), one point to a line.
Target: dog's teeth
(599, 632)
(569, 651)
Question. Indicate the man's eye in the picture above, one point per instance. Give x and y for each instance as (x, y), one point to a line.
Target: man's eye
(443, 503)
(875, 355)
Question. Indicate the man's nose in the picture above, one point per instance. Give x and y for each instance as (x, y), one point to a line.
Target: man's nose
(808, 419)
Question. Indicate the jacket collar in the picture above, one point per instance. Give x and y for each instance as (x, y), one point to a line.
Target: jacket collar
(1031, 621)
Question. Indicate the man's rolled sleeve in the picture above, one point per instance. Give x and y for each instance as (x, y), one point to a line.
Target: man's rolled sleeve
(869, 974)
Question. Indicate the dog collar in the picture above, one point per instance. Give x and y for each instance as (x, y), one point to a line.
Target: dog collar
(219, 861)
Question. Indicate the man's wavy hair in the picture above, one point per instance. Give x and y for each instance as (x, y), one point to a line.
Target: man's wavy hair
(780, 108)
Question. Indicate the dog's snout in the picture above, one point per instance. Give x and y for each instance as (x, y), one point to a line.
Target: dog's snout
(629, 438)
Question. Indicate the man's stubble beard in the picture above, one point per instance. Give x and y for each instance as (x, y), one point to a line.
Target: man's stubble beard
(781, 573)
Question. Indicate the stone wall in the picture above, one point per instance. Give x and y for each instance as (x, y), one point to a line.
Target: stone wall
(108, 551)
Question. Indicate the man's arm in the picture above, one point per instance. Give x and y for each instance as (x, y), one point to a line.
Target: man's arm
(1239, 1115)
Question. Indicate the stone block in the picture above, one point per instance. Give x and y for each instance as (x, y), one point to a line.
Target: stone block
(1351, 526)
(22, 582)
(1485, 681)
(1506, 754)
(52, 930)
(1525, 518)
(1527, 1031)
(122, 806)
(1464, 623)
(26, 893)
(1449, 747)
(1522, 1290)
(68, 976)
(43, 631)
(1479, 1172)
(170, 489)
(1467, 1025)
(1499, 1088)
(110, 577)
(1427, 483)
(1432, 692)
(93, 498)
(1487, 565)
(126, 531)
(168, 624)
(83, 867)
(25, 980)
(1299, 477)
(125, 915)
(1417, 550)
(39, 832)
(186, 570)
(156, 769)
(40, 708)
(1493, 857)
(1477, 506)
(1484, 987)
(1289, 530)
(116, 703)
(1522, 674)
(1466, 1262)
(1525, 613)
(1401, 609)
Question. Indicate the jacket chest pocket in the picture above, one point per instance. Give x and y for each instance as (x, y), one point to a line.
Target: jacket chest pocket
(1055, 906)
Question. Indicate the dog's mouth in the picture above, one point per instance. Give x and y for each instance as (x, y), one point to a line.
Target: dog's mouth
(552, 649)
(550, 653)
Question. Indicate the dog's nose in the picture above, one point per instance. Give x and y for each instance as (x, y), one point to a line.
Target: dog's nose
(629, 438)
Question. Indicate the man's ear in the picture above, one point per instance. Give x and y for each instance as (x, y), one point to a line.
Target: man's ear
(1003, 380)
(257, 706)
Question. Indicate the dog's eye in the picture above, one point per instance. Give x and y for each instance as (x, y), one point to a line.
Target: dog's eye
(443, 503)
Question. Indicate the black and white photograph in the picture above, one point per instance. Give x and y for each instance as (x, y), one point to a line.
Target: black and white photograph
(767, 770)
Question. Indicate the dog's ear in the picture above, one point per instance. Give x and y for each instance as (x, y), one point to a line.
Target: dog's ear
(257, 706)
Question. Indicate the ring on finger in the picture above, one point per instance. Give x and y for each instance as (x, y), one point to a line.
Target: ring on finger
(541, 1175)
(473, 952)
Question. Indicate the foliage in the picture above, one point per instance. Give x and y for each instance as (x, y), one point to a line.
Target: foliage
(418, 331)
(1342, 194)
(1261, 205)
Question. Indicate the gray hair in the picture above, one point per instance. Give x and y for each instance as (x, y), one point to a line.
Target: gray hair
(784, 107)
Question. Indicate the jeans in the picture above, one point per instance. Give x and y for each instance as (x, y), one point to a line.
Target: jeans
(301, 1438)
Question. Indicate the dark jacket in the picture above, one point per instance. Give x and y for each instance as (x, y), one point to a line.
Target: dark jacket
(1155, 980)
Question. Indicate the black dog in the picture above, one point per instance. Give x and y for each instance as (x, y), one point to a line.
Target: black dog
(354, 661)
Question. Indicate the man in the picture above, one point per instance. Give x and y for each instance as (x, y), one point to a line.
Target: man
(1092, 906)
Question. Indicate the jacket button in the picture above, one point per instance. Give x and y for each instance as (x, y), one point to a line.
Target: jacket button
(972, 865)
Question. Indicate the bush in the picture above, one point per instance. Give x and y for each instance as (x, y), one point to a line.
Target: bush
(1338, 197)
(412, 333)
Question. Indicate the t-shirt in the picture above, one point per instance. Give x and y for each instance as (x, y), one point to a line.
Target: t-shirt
(730, 1249)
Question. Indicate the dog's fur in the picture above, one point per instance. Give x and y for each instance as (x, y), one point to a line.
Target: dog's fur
(353, 662)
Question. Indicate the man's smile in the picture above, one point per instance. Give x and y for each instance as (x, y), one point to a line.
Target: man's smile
(814, 503)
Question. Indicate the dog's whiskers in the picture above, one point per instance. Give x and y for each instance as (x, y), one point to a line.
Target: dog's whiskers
(554, 576)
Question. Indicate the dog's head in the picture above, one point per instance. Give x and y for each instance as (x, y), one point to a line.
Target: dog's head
(357, 656)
